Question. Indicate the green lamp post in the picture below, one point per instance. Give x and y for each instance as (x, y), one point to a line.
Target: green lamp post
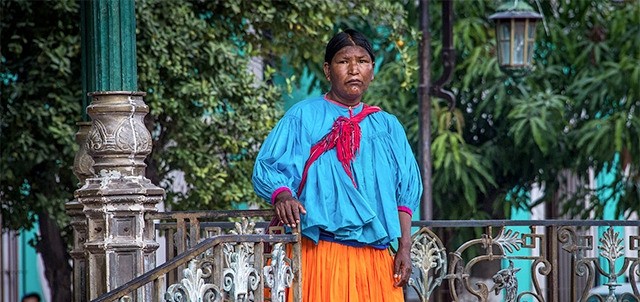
(515, 33)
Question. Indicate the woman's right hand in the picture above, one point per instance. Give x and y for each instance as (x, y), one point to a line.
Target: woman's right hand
(288, 209)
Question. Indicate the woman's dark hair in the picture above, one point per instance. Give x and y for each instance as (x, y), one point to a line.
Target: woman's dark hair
(348, 37)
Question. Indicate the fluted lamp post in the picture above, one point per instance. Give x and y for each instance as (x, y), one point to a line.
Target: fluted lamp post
(515, 33)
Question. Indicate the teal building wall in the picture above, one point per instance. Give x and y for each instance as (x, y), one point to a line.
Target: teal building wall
(30, 270)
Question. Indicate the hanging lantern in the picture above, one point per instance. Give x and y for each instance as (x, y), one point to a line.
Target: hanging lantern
(515, 33)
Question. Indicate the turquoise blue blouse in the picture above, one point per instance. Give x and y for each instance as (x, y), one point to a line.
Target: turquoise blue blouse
(385, 170)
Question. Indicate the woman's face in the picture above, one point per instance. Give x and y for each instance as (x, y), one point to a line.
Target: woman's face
(350, 72)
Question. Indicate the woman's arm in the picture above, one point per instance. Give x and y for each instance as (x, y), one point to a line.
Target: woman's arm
(288, 209)
(402, 261)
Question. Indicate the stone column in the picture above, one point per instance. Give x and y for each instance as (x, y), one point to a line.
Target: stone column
(83, 169)
(120, 244)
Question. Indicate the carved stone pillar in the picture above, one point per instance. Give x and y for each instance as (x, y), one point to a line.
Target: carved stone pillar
(120, 242)
(83, 169)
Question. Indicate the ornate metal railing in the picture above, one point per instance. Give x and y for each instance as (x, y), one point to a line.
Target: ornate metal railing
(210, 258)
(549, 260)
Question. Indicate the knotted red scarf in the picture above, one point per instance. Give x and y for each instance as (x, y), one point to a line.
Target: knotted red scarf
(345, 137)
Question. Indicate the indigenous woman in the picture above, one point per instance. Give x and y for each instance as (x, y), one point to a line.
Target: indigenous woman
(344, 171)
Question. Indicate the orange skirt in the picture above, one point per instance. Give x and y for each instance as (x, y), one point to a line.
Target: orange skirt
(332, 272)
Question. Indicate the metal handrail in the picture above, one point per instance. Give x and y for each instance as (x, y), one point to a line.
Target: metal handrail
(183, 258)
(211, 214)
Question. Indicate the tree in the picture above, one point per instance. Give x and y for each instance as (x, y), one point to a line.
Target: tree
(40, 54)
(576, 112)
(193, 61)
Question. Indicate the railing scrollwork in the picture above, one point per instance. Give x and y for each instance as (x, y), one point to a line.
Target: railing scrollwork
(193, 287)
(429, 257)
(232, 265)
(611, 249)
(506, 279)
(240, 277)
(278, 276)
(527, 259)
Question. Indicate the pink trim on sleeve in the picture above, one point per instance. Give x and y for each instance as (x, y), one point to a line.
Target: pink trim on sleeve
(405, 209)
(278, 191)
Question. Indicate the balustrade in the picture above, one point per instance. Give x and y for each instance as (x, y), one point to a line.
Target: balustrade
(235, 256)
(555, 260)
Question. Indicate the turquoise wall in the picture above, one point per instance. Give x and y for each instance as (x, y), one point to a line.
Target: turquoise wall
(524, 275)
(29, 280)
(606, 179)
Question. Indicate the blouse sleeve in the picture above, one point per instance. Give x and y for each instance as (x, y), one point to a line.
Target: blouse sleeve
(409, 187)
(277, 167)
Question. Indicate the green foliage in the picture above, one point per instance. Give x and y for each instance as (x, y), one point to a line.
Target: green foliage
(40, 96)
(209, 112)
(577, 111)
(299, 30)
(595, 77)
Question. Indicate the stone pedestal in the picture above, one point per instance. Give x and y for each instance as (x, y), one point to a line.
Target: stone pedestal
(120, 243)
(83, 169)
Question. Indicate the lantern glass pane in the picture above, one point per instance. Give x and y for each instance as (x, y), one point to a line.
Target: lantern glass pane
(530, 53)
(519, 40)
(531, 40)
(504, 53)
(504, 31)
(532, 29)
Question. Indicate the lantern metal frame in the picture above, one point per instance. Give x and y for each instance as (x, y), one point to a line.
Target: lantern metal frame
(515, 26)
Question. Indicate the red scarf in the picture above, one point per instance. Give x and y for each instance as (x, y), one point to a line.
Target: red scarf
(345, 137)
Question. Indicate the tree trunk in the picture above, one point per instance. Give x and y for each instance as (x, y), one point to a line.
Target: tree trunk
(56, 259)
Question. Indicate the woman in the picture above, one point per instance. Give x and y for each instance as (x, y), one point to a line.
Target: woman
(345, 172)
